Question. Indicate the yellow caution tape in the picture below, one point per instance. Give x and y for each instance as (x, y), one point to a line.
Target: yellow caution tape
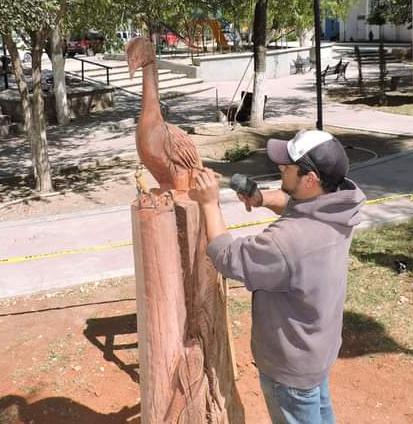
(116, 245)
(389, 199)
(65, 252)
(251, 223)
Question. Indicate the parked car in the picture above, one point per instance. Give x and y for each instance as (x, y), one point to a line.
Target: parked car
(25, 57)
(168, 39)
(89, 44)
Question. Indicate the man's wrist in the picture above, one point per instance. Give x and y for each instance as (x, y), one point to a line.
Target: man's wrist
(276, 200)
(260, 198)
(266, 198)
(210, 205)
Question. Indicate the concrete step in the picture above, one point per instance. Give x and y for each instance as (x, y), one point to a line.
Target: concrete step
(174, 92)
(170, 85)
(185, 91)
(168, 76)
(163, 85)
(76, 64)
(94, 73)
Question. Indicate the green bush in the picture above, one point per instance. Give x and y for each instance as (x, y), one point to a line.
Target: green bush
(237, 153)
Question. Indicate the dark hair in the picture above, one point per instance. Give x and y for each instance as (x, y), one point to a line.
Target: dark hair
(306, 165)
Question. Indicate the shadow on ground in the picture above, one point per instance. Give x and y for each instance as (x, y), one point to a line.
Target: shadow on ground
(107, 329)
(92, 137)
(363, 335)
(387, 260)
(86, 182)
(60, 410)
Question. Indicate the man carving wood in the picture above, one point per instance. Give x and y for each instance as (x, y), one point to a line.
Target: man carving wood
(186, 373)
(296, 270)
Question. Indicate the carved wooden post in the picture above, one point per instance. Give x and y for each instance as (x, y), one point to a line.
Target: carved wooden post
(186, 373)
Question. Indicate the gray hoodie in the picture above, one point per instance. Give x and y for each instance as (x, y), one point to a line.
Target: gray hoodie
(297, 272)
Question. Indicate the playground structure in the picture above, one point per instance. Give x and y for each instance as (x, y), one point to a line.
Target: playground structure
(224, 38)
(216, 30)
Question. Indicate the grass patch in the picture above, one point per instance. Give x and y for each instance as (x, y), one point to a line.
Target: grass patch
(238, 152)
(379, 304)
(395, 102)
(238, 306)
(401, 110)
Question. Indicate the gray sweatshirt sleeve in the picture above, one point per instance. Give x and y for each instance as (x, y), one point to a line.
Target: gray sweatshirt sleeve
(257, 261)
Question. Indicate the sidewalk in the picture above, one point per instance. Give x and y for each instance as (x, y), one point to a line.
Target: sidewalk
(63, 250)
(109, 134)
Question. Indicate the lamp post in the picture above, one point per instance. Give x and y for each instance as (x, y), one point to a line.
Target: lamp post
(318, 64)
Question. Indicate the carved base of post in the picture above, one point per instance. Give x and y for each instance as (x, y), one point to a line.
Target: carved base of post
(185, 355)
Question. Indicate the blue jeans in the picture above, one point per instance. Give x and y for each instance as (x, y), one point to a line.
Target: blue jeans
(288, 405)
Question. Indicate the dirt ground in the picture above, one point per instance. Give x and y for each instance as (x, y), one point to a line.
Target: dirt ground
(71, 357)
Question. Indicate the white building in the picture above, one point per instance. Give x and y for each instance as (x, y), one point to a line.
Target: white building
(356, 27)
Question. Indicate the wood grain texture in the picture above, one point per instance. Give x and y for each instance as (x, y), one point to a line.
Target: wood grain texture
(187, 374)
(166, 150)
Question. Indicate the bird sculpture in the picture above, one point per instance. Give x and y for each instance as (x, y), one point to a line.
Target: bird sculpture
(165, 150)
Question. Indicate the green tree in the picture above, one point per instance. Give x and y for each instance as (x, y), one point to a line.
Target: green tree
(397, 12)
(36, 21)
(34, 18)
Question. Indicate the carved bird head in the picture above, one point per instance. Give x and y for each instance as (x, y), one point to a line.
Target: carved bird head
(140, 53)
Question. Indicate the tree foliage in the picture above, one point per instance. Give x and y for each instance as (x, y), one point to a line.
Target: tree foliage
(299, 14)
(26, 16)
(398, 12)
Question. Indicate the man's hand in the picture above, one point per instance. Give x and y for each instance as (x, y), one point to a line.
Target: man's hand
(255, 200)
(206, 191)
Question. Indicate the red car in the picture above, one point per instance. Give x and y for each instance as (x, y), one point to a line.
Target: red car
(90, 43)
(168, 39)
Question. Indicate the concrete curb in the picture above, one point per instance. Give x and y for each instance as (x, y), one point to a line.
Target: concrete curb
(369, 130)
(372, 162)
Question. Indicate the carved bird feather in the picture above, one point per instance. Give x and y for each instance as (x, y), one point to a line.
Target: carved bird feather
(166, 151)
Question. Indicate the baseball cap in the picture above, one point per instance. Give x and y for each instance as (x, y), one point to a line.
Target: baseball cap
(319, 150)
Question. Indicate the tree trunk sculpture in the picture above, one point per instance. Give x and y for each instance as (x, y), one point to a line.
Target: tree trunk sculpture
(186, 368)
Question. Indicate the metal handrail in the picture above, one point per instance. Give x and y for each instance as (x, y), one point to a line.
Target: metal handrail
(93, 63)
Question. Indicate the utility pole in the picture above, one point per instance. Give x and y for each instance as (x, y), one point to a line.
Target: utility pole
(317, 33)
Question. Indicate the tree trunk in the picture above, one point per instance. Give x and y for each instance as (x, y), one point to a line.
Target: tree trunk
(40, 156)
(59, 83)
(260, 53)
(305, 37)
(185, 357)
(25, 97)
(21, 82)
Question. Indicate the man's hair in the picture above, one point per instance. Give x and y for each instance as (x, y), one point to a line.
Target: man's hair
(328, 184)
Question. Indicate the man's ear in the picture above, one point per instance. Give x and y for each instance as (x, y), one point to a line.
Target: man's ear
(312, 179)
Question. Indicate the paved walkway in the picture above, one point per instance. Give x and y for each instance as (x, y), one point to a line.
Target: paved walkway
(111, 133)
(59, 251)
(63, 250)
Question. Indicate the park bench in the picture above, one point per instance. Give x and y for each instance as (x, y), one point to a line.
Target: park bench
(301, 65)
(396, 80)
(339, 69)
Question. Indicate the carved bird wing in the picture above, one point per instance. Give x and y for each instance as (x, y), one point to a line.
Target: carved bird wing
(181, 149)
